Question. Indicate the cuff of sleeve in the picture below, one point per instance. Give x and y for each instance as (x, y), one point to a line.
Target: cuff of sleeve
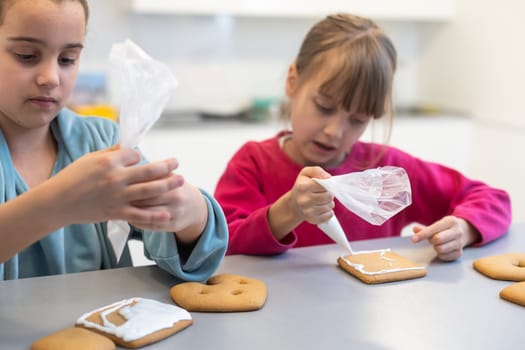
(205, 256)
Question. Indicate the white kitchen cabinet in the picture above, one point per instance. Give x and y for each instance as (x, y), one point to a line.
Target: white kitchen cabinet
(416, 10)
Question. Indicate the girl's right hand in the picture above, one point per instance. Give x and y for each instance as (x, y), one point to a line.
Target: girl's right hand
(103, 185)
(311, 201)
(306, 201)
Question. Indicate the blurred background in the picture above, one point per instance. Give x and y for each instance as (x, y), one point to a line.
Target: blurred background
(459, 88)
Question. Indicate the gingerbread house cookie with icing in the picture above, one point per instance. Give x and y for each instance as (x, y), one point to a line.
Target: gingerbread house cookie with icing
(136, 322)
(379, 266)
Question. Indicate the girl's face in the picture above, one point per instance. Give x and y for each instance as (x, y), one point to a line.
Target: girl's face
(322, 131)
(40, 45)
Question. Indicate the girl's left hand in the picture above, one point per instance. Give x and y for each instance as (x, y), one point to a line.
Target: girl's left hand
(448, 236)
(187, 208)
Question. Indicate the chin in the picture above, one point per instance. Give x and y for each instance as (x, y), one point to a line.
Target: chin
(332, 163)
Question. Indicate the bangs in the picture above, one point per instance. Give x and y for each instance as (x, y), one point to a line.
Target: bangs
(359, 76)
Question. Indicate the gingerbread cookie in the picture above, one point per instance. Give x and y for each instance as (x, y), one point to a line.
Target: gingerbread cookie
(73, 338)
(222, 293)
(515, 293)
(379, 266)
(136, 322)
(505, 267)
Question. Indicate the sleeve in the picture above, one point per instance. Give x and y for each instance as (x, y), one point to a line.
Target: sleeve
(438, 191)
(205, 257)
(242, 193)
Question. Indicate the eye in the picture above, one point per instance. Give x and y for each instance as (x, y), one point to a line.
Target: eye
(26, 58)
(67, 60)
(358, 121)
(327, 110)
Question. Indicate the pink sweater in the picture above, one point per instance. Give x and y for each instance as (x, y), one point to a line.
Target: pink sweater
(260, 172)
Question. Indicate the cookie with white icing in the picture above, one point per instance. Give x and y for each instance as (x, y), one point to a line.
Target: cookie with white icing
(136, 322)
(221, 293)
(379, 266)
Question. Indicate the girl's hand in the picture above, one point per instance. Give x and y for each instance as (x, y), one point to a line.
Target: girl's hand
(306, 201)
(311, 201)
(188, 212)
(448, 236)
(105, 185)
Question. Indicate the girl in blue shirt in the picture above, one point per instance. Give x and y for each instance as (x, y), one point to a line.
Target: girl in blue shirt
(62, 177)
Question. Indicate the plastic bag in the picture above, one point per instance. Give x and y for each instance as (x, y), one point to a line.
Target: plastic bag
(374, 194)
(146, 85)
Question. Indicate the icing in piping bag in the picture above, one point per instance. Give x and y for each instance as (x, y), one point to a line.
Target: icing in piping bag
(334, 230)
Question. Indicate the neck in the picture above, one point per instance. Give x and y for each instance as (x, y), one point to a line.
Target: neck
(28, 141)
(33, 153)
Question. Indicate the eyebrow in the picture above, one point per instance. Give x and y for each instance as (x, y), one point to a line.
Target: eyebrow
(41, 42)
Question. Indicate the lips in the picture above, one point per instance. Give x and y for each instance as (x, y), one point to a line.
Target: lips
(324, 147)
(43, 101)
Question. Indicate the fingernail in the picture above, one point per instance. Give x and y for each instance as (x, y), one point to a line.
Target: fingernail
(173, 163)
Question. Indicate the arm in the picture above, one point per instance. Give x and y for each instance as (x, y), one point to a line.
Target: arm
(99, 186)
(206, 252)
(261, 209)
(458, 211)
(243, 192)
(306, 201)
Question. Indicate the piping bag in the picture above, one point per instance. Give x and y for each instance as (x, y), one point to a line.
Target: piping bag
(146, 86)
(375, 195)
(333, 229)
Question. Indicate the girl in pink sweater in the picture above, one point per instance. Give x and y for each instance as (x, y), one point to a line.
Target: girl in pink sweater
(340, 81)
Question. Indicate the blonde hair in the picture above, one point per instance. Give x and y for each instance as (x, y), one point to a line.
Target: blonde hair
(4, 4)
(358, 58)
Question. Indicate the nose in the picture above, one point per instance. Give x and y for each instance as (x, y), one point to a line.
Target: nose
(48, 74)
(334, 127)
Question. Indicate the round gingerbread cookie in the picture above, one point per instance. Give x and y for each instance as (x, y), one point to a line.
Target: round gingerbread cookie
(73, 338)
(222, 293)
(505, 267)
(515, 293)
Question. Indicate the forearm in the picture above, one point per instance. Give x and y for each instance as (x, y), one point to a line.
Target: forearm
(27, 219)
(283, 217)
(205, 255)
(252, 235)
(488, 214)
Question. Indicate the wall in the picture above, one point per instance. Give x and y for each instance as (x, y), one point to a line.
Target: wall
(476, 64)
(223, 60)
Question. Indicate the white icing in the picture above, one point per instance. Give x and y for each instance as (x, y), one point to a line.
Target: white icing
(146, 316)
(361, 267)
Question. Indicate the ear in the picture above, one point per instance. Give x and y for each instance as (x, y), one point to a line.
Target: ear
(291, 80)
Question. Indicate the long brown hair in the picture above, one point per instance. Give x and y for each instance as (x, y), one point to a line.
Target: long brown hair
(358, 61)
(361, 60)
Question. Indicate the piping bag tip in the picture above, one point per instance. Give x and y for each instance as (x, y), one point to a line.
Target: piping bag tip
(333, 229)
(118, 232)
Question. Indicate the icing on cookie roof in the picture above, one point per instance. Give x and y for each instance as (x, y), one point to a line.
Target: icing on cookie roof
(144, 316)
(362, 269)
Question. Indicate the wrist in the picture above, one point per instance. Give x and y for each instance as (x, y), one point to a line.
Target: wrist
(283, 217)
(472, 235)
(199, 214)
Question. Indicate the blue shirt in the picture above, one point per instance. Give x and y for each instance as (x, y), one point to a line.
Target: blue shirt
(85, 247)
